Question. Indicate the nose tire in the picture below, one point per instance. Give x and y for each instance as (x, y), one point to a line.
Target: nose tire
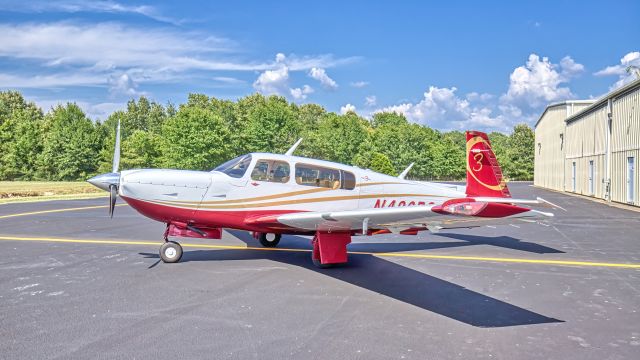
(170, 252)
(269, 240)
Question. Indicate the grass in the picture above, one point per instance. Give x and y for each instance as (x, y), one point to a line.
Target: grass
(20, 191)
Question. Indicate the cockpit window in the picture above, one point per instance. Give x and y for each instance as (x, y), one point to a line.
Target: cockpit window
(237, 167)
(271, 170)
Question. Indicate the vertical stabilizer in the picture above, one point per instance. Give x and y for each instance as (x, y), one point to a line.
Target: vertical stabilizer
(484, 176)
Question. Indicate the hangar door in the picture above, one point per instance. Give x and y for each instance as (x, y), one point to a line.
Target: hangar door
(631, 173)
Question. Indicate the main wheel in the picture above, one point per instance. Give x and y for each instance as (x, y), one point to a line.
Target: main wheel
(170, 252)
(269, 239)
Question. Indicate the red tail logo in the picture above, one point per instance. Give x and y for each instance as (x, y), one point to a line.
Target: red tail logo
(484, 176)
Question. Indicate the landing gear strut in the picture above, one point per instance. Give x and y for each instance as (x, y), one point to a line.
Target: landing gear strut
(170, 251)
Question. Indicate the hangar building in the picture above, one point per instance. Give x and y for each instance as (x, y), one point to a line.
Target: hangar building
(591, 147)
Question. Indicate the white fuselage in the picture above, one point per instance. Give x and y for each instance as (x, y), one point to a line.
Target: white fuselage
(228, 201)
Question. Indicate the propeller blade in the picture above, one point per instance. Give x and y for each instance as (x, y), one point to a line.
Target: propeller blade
(116, 151)
(113, 192)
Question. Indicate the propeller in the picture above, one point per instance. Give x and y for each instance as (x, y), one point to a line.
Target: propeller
(116, 151)
(110, 181)
(113, 193)
(113, 189)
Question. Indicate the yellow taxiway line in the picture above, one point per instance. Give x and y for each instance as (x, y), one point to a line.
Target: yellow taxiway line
(381, 254)
(57, 210)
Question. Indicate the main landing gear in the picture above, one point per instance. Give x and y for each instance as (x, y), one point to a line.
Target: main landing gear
(268, 239)
(329, 249)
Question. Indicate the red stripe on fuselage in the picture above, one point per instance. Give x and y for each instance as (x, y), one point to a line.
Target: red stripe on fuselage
(225, 219)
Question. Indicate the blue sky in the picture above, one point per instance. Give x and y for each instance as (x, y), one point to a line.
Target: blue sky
(446, 64)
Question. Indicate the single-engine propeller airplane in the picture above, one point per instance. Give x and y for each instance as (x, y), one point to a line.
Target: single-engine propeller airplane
(275, 194)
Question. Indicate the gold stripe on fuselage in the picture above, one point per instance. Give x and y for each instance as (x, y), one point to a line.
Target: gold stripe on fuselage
(257, 198)
(295, 201)
(273, 196)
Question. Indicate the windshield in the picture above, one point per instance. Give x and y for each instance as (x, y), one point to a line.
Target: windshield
(236, 167)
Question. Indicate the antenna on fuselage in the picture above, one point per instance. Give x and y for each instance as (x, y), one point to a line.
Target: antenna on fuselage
(405, 172)
(293, 148)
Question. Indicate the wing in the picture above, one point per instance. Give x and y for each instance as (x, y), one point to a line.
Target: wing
(455, 213)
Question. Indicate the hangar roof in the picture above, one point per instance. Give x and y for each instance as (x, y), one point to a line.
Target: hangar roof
(634, 85)
(562, 103)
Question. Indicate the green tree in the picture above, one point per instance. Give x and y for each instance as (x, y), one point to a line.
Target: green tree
(520, 152)
(337, 138)
(404, 143)
(142, 115)
(266, 124)
(141, 150)
(500, 146)
(196, 138)
(71, 145)
(20, 137)
(382, 164)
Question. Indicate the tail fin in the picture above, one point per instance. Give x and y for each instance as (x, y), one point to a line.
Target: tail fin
(484, 176)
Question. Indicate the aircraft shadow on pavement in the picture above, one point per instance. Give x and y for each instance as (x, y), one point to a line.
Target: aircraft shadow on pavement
(397, 282)
(507, 242)
(461, 240)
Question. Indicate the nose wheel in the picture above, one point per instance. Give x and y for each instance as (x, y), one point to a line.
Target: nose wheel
(170, 252)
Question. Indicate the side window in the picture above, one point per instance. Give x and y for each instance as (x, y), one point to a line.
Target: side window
(311, 175)
(272, 171)
(348, 181)
(279, 172)
(260, 171)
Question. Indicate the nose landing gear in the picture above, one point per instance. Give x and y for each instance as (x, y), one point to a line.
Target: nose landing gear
(170, 252)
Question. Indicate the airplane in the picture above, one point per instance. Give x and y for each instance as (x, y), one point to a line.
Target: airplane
(275, 194)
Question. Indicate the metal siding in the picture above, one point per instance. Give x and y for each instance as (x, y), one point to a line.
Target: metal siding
(585, 140)
(549, 157)
(625, 142)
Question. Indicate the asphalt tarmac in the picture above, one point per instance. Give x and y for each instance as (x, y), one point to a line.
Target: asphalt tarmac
(76, 284)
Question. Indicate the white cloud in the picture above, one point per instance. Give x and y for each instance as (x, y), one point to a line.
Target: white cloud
(123, 85)
(58, 80)
(301, 93)
(538, 82)
(359, 84)
(229, 80)
(441, 108)
(273, 81)
(324, 79)
(97, 111)
(276, 81)
(112, 45)
(101, 51)
(371, 100)
(532, 87)
(570, 68)
(484, 97)
(75, 6)
(624, 77)
(347, 108)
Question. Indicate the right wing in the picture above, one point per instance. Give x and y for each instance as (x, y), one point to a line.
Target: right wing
(455, 213)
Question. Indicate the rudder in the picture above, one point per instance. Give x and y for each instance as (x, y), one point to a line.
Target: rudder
(484, 176)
